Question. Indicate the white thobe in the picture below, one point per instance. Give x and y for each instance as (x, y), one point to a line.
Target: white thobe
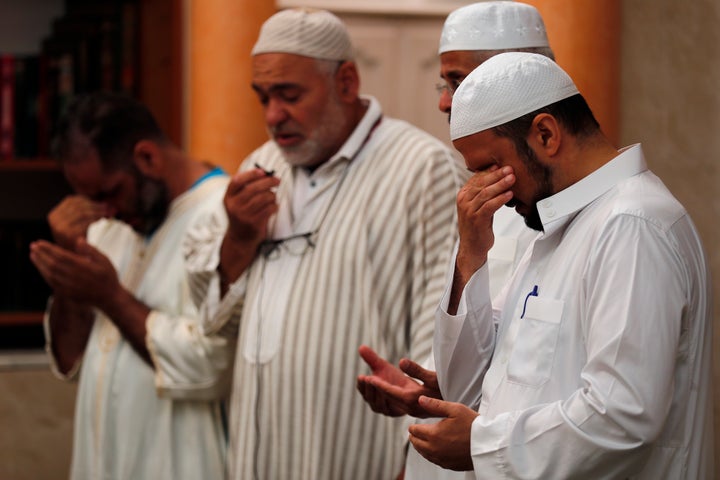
(597, 361)
(133, 422)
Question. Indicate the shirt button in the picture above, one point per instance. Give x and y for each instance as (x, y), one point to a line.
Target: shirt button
(312, 183)
(551, 213)
(546, 204)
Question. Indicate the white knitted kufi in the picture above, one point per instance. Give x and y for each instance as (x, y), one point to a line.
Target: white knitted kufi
(304, 31)
(505, 87)
(500, 25)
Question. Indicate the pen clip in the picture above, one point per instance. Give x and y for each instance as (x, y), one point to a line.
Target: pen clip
(534, 293)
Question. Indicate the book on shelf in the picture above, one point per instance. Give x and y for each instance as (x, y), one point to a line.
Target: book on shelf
(7, 106)
(92, 46)
(27, 80)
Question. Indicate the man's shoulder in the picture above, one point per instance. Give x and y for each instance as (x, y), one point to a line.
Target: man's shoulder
(646, 196)
(399, 144)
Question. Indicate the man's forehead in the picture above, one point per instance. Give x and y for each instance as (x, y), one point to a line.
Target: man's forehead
(282, 67)
(462, 62)
(85, 173)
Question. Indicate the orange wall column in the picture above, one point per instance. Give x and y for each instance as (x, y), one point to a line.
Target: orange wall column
(223, 117)
(585, 36)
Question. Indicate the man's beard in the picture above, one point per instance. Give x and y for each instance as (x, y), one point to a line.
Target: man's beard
(152, 204)
(543, 177)
(322, 142)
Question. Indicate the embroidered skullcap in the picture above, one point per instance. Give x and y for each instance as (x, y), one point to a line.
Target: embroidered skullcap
(307, 32)
(505, 87)
(493, 26)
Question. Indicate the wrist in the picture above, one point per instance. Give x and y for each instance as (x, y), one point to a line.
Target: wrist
(115, 301)
(235, 256)
(466, 265)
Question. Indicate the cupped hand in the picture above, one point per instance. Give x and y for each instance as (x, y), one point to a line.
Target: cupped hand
(83, 274)
(447, 442)
(392, 390)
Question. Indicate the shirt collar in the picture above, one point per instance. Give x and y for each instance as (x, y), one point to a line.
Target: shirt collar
(556, 210)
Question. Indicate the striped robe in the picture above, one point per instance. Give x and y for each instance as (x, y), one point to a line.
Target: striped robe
(375, 277)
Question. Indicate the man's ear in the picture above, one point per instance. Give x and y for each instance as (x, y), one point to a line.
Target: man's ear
(545, 134)
(347, 82)
(148, 158)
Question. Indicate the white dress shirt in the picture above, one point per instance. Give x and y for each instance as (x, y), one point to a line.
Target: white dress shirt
(596, 361)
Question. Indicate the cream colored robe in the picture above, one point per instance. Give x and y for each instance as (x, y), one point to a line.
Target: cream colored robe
(133, 423)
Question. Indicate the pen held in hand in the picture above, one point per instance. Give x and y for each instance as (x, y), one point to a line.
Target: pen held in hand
(269, 173)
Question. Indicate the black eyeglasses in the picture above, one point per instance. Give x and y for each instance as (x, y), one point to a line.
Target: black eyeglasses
(296, 245)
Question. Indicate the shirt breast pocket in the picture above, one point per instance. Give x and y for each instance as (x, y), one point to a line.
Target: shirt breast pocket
(533, 354)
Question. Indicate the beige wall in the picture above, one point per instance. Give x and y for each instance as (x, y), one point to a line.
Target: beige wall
(670, 101)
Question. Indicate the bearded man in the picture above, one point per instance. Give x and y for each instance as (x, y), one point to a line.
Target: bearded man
(150, 398)
(339, 232)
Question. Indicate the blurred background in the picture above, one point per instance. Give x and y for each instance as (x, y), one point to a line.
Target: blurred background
(650, 70)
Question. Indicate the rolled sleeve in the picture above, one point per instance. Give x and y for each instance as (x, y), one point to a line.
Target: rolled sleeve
(188, 364)
(201, 250)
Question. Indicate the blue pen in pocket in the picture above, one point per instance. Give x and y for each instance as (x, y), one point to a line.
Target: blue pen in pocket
(534, 293)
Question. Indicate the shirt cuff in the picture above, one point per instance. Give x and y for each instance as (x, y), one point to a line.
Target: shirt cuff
(488, 440)
(222, 316)
(476, 294)
(201, 251)
(72, 374)
(188, 364)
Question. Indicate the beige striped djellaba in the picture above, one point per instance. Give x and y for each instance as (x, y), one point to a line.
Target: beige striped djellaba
(375, 277)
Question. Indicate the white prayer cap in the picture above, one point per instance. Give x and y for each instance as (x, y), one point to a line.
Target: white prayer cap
(501, 25)
(505, 87)
(304, 31)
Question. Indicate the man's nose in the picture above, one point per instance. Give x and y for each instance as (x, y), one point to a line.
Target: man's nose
(275, 113)
(445, 102)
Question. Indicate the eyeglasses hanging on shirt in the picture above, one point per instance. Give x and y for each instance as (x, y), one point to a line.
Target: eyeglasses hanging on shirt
(300, 243)
(295, 245)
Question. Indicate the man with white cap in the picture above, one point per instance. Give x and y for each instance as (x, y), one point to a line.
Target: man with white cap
(596, 360)
(339, 232)
(471, 34)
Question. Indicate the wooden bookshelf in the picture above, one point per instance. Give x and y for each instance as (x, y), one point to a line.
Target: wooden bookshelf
(20, 318)
(146, 38)
(29, 165)
(130, 46)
